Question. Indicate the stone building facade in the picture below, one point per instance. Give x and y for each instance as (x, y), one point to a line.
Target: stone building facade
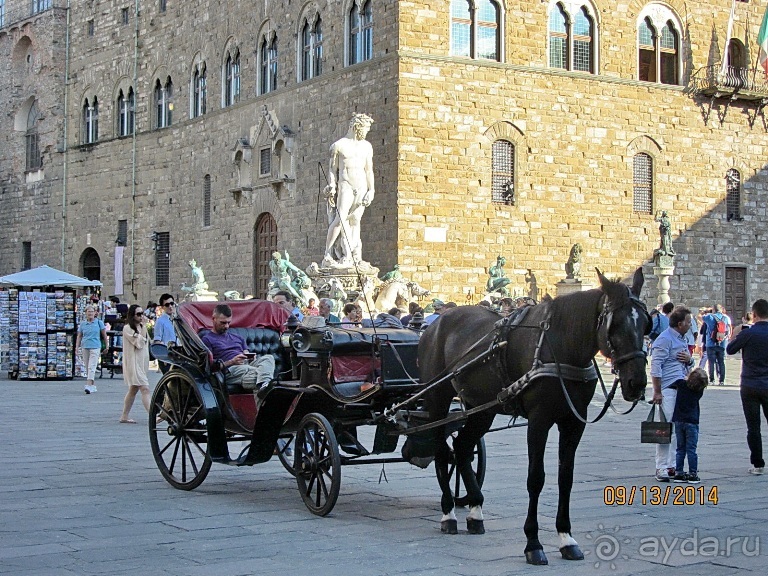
(514, 128)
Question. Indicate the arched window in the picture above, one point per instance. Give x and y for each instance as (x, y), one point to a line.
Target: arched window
(642, 184)
(733, 194)
(264, 243)
(32, 139)
(658, 45)
(125, 111)
(232, 79)
(503, 173)
(207, 200)
(476, 29)
(268, 59)
(90, 121)
(311, 49)
(360, 32)
(558, 38)
(199, 90)
(571, 40)
(163, 103)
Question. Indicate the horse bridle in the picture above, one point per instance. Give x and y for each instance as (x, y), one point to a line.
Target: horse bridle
(606, 317)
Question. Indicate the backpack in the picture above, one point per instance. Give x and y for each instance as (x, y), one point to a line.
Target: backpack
(655, 328)
(720, 331)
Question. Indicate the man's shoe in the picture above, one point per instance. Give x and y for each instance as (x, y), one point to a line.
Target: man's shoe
(662, 475)
(681, 477)
(671, 472)
(93, 389)
(757, 471)
(87, 390)
(693, 478)
(264, 389)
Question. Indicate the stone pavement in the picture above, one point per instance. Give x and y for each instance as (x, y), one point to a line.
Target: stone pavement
(80, 494)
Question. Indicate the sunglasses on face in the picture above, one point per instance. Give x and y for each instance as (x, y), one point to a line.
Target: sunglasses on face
(169, 304)
(139, 313)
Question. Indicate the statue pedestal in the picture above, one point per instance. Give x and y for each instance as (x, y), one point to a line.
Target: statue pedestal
(568, 286)
(664, 268)
(204, 296)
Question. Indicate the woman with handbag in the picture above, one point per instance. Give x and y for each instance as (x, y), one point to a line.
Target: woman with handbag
(670, 363)
(91, 338)
(135, 361)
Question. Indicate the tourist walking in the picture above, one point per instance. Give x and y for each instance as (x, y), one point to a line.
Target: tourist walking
(135, 361)
(91, 332)
(717, 327)
(753, 343)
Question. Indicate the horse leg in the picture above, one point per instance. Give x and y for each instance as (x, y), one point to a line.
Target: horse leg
(537, 442)
(463, 448)
(570, 435)
(448, 523)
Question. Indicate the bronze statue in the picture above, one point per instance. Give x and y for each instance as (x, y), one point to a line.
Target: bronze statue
(573, 266)
(665, 232)
(497, 280)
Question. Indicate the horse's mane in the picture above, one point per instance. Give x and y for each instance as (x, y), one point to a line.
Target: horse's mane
(573, 313)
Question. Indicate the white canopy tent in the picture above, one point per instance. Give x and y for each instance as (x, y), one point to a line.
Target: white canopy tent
(46, 276)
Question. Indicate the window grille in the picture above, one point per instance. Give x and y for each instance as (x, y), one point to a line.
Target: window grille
(733, 194)
(207, 200)
(265, 162)
(32, 140)
(163, 259)
(26, 255)
(503, 173)
(642, 199)
(122, 232)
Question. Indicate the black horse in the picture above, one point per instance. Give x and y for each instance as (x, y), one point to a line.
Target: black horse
(548, 354)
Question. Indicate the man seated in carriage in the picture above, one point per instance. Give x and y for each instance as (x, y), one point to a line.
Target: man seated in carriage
(231, 350)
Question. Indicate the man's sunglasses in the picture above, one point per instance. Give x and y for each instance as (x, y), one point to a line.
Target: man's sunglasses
(169, 304)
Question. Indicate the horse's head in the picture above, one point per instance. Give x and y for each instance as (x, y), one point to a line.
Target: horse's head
(623, 323)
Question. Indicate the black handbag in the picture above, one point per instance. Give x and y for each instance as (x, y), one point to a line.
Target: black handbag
(652, 432)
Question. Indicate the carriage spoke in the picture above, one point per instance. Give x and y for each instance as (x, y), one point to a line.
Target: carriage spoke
(177, 418)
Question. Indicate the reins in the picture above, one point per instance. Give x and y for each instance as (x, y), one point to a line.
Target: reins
(538, 370)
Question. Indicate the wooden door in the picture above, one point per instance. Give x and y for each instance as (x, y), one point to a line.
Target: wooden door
(265, 242)
(735, 292)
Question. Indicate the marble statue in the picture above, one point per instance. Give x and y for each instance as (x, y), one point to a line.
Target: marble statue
(398, 293)
(665, 232)
(282, 278)
(497, 278)
(573, 266)
(349, 191)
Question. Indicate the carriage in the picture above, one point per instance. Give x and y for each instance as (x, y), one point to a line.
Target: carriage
(332, 380)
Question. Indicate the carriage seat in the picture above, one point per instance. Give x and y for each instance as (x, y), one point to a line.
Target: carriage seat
(260, 341)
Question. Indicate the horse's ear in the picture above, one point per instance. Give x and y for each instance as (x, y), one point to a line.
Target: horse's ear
(604, 282)
(637, 282)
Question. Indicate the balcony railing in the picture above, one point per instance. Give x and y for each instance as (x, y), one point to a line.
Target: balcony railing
(734, 82)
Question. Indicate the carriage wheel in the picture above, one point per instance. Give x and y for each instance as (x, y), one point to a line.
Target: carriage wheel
(478, 465)
(318, 465)
(285, 452)
(178, 433)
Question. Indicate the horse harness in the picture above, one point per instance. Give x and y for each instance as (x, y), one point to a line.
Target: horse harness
(508, 397)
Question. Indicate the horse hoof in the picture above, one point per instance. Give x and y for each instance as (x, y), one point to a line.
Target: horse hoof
(572, 552)
(449, 527)
(475, 526)
(536, 557)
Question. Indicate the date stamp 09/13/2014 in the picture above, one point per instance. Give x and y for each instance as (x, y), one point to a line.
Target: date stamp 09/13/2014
(681, 495)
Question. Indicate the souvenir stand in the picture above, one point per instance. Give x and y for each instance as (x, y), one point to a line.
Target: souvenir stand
(37, 323)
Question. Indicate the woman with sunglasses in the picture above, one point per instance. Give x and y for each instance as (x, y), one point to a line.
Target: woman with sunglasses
(135, 361)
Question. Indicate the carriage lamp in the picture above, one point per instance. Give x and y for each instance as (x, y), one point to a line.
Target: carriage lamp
(292, 323)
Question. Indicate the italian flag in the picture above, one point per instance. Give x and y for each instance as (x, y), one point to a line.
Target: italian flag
(762, 41)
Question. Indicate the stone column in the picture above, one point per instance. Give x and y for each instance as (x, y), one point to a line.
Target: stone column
(663, 269)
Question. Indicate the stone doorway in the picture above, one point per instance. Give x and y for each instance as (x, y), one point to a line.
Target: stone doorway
(735, 301)
(264, 243)
(90, 264)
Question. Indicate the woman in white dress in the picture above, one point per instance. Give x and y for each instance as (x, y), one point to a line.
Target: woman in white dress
(135, 361)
